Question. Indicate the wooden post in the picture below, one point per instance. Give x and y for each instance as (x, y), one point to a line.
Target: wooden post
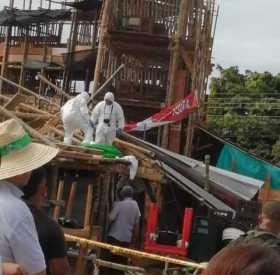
(59, 197)
(53, 179)
(102, 43)
(71, 49)
(89, 202)
(175, 61)
(24, 58)
(71, 199)
(6, 50)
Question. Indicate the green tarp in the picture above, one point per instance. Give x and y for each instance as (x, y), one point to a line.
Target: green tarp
(108, 151)
(247, 165)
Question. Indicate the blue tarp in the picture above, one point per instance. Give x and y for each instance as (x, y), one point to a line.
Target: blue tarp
(247, 165)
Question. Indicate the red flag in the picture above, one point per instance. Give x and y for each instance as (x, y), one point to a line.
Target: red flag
(170, 114)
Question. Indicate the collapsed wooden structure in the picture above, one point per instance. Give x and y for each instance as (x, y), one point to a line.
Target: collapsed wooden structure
(165, 45)
(73, 163)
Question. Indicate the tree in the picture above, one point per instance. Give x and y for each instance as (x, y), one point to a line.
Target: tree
(245, 109)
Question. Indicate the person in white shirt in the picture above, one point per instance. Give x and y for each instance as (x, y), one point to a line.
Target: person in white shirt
(108, 117)
(18, 157)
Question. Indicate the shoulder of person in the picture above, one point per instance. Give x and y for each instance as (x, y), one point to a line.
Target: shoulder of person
(99, 104)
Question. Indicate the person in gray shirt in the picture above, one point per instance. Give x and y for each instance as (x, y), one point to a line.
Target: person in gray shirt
(124, 220)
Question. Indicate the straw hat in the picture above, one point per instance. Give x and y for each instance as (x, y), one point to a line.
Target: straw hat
(18, 154)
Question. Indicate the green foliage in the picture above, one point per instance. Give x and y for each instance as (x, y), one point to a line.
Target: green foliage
(245, 109)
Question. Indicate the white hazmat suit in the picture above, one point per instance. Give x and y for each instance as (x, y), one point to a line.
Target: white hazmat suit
(108, 119)
(75, 115)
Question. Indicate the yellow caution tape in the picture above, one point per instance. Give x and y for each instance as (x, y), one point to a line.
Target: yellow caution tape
(132, 252)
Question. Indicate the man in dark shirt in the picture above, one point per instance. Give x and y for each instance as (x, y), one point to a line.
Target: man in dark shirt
(50, 235)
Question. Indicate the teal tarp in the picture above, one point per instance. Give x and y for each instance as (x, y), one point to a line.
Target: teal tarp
(247, 165)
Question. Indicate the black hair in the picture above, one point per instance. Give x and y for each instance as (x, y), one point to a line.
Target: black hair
(35, 180)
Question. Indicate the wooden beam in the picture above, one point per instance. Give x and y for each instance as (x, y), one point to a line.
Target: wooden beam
(29, 91)
(44, 79)
(29, 129)
(107, 4)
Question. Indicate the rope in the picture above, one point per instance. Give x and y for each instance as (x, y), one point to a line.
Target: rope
(131, 252)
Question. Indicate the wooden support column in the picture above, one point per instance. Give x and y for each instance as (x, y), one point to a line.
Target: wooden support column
(71, 48)
(6, 50)
(59, 197)
(173, 68)
(102, 43)
(24, 58)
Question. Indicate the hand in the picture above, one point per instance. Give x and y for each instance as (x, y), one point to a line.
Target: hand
(12, 269)
(119, 132)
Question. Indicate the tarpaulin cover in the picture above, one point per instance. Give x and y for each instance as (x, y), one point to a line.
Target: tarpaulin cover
(27, 17)
(170, 114)
(108, 151)
(247, 165)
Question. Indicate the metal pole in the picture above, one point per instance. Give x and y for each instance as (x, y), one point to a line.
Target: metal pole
(207, 165)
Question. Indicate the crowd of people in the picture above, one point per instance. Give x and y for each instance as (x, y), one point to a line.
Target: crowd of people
(32, 243)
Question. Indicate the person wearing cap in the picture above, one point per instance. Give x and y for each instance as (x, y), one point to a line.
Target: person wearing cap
(18, 157)
(75, 115)
(268, 230)
(109, 119)
(123, 229)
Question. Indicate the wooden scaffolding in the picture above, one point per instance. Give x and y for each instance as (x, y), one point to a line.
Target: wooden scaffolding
(166, 47)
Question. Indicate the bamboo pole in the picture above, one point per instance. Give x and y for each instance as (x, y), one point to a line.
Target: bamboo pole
(29, 91)
(175, 61)
(102, 43)
(29, 129)
(6, 51)
(31, 116)
(24, 58)
(104, 85)
(131, 252)
(44, 79)
(71, 199)
(36, 110)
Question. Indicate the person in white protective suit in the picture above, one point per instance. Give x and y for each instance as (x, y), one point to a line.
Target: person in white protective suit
(75, 115)
(109, 119)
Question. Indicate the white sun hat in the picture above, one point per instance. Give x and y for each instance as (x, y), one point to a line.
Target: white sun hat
(18, 154)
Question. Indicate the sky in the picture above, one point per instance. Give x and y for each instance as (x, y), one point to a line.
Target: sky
(247, 34)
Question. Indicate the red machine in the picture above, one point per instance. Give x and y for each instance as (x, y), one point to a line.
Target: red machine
(151, 244)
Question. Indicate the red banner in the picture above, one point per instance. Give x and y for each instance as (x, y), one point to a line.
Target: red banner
(170, 114)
